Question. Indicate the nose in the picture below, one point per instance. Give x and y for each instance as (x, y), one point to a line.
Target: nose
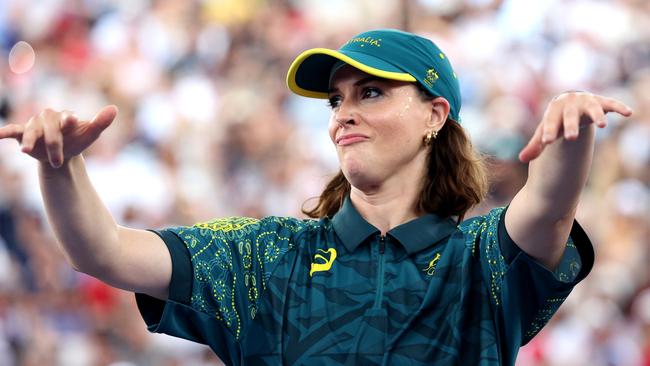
(346, 113)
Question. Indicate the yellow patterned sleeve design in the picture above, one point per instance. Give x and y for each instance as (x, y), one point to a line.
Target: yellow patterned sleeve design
(482, 239)
(527, 292)
(232, 259)
(227, 225)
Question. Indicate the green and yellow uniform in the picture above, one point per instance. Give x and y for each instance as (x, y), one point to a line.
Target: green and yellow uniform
(336, 292)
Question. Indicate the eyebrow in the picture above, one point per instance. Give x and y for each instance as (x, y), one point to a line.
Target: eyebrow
(365, 80)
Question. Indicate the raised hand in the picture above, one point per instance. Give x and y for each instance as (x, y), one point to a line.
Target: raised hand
(53, 137)
(564, 117)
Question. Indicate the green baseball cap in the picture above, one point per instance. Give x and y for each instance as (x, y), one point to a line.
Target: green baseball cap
(386, 53)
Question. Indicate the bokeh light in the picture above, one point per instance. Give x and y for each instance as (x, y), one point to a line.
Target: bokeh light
(21, 58)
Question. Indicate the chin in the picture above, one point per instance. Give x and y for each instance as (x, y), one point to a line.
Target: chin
(359, 177)
(352, 168)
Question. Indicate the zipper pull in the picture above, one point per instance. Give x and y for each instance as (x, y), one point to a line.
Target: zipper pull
(382, 244)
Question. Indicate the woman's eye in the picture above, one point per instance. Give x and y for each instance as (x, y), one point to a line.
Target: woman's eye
(371, 92)
(334, 101)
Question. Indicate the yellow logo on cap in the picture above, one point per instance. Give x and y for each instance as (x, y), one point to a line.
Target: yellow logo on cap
(365, 40)
(431, 78)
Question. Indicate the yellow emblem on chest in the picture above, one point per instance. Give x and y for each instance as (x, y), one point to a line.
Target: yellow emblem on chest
(432, 265)
(326, 262)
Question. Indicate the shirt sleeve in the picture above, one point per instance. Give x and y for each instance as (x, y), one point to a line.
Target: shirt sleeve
(523, 292)
(219, 271)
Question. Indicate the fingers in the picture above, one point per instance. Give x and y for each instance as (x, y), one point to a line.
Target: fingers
(564, 117)
(68, 123)
(570, 122)
(596, 114)
(45, 130)
(33, 131)
(551, 124)
(12, 131)
(613, 105)
(591, 109)
(53, 137)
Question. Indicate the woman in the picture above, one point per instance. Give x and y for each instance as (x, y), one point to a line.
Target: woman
(386, 275)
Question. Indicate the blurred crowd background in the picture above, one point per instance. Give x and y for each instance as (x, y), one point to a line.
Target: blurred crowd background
(207, 128)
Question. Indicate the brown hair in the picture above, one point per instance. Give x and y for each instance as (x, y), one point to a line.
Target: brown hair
(456, 178)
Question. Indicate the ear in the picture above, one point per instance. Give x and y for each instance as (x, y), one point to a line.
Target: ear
(439, 113)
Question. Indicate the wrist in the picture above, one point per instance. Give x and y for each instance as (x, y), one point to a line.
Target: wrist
(46, 170)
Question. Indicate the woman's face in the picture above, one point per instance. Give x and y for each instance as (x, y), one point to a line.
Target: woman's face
(377, 126)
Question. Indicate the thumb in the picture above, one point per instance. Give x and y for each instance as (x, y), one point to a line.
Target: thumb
(531, 151)
(534, 147)
(104, 118)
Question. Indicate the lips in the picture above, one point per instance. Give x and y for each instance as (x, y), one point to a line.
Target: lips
(350, 139)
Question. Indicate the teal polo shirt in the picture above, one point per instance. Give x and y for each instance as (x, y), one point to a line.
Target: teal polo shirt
(335, 292)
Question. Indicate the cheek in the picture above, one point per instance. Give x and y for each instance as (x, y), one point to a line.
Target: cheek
(404, 112)
(402, 129)
(412, 119)
(331, 128)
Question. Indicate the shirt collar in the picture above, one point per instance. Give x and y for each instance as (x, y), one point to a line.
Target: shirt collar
(423, 232)
(414, 235)
(350, 227)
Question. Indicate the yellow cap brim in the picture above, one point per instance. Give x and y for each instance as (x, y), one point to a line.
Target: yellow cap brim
(295, 69)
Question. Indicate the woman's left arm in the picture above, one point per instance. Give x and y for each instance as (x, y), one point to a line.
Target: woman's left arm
(541, 214)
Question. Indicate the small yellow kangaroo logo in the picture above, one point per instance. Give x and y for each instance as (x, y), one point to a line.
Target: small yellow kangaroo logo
(320, 267)
(432, 265)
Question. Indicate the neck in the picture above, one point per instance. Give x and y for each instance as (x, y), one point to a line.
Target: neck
(387, 207)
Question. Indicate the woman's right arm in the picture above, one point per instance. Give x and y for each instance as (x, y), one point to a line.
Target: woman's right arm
(134, 260)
